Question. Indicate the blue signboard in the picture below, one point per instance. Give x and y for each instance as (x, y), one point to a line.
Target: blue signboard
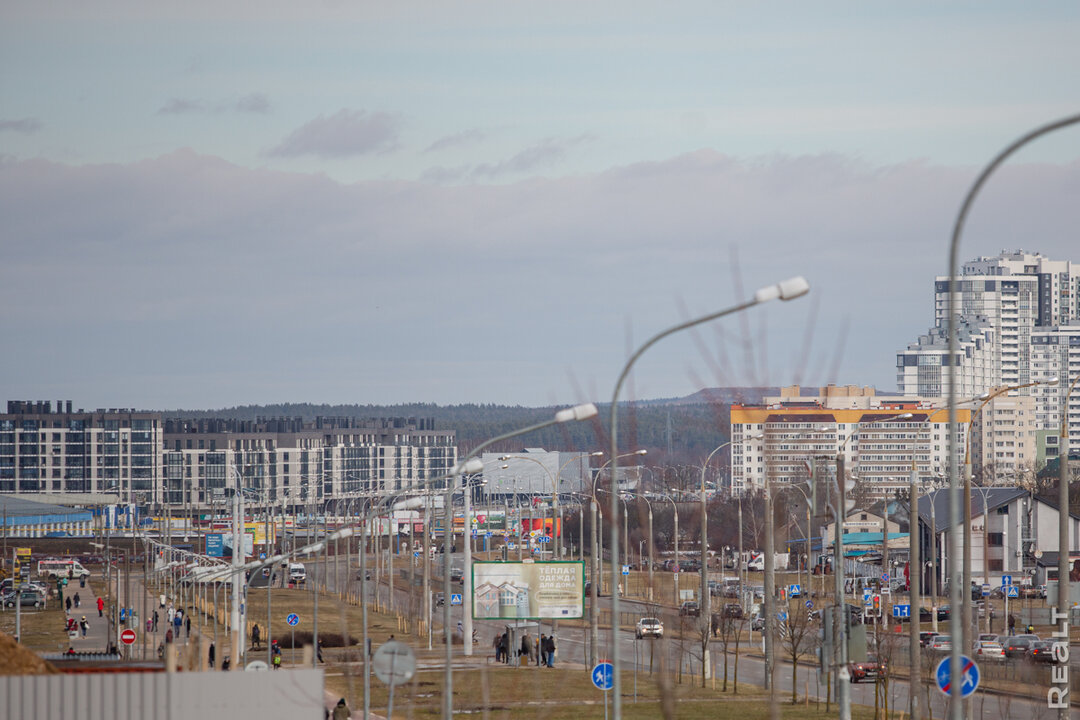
(603, 676)
(1012, 591)
(986, 590)
(901, 611)
(809, 604)
(970, 676)
(794, 590)
(215, 545)
(455, 599)
(1006, 579)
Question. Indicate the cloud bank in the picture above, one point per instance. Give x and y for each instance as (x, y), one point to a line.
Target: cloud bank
(189, 281)
(346, 133)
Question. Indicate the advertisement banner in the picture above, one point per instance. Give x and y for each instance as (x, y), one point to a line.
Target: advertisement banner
(528, 590)
(215, 545)
(542, 526)
(221, 544)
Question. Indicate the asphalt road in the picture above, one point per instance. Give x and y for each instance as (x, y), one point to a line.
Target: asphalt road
(635, 655)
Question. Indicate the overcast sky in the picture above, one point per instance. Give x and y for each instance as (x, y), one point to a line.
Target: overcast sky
(217, 203)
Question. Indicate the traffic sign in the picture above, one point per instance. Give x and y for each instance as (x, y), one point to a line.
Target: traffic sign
(782, 616)
(901, 611)
(809, 604)
(625, 569)
(1012, 591)
(128, 637)
(416, 553)
(262, 556)
(603, 675)
(1006, 579)
(394, 663)
(794, 590)
(866, 593)
(986, 590)
(884, 577)
(292, 619)
(487, 534)
(455, 599)
(970, 676)
(543, 539)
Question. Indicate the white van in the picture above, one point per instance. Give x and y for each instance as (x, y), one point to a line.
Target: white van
(297, 573)
(61, 568)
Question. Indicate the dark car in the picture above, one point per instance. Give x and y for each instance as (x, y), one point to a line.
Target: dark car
(926, 637)
(733, 610)
(690, 608)
(872, 669)
(1016, 647)
(456, 575)
(1042, 651)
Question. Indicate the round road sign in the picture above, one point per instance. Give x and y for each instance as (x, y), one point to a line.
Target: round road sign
(128, 637)
(293, 619)
(969, 678)
(394, 663)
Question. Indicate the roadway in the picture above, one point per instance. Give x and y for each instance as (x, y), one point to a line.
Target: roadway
(635, 654)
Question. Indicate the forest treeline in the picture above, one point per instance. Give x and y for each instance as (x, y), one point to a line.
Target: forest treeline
(672, 430)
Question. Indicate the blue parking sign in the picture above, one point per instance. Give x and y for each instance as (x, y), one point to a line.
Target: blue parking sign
(970, 677)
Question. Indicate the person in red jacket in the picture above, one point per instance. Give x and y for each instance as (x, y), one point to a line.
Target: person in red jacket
(100, 607)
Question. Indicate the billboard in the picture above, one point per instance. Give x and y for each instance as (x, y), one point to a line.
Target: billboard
(221, 544)
(528, 590)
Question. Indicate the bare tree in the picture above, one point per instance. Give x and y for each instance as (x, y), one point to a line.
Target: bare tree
(725, 630)
(796, 635)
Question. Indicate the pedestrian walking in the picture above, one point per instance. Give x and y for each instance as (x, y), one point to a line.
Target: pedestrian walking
(318, 651)
(504, 645)
(1012, 624)
(551, 651)
(525, 650)
(226, 664)
(84, 626)
(155, 620)
(161, 601)
(213, 651)
(187, 627)
(496, 645)
(256, 639)
(67, 605)
(341, 710)
(168, 636)
(277, 661)
(100, 607)
(78, 601)
(170, 614)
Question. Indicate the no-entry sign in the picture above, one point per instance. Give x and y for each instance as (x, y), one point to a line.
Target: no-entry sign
(128, 637)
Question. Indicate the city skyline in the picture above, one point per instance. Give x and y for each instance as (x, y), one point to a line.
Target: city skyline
(241, 203)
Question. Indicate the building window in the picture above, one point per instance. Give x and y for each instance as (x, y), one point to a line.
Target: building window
(996, 540)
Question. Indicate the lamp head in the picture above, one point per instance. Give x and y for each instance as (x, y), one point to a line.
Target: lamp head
(578, 412)
(1049, 381)
(785, 290)
(642, 451)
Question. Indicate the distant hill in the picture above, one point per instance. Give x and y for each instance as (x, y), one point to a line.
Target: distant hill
(675, 430)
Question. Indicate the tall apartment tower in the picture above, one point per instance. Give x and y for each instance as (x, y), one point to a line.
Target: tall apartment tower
(1017, 314)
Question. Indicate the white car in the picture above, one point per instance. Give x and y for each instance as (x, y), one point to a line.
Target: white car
(649, 627)
(990, 650)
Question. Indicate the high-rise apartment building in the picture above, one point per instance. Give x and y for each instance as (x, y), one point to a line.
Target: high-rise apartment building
(779, 438)
(1018, 314)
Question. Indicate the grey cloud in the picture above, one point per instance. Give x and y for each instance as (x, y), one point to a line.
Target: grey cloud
(441, 174)
(180, 106)
(465, 137)
(254, 103)
(544, 153)
(408, 266)
(26, 125)
(344, 134)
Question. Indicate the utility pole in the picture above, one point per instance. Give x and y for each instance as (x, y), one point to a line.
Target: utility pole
(843, 677)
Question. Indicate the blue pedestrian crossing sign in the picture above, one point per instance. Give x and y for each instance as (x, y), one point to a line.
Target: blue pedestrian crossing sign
(292, 619)
(1012, 591)
(603, 675)
(455, 599)
(901, 611)
(970, 677)
(794, 590)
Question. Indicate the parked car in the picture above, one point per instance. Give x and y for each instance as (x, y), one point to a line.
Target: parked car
(456, 575)
(649, 627)
(25, 598)
(872, 669)
(1042, 651)
(926, 637)
(990, 650)
(941, 643)
(690, 608)
(992, 637)
(1017, 647)
(733, 610)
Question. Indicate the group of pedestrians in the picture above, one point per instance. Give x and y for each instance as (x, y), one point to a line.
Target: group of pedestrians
(75, 601)
(539, 650)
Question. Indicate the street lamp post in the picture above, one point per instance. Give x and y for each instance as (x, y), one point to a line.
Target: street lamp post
(954, 250)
